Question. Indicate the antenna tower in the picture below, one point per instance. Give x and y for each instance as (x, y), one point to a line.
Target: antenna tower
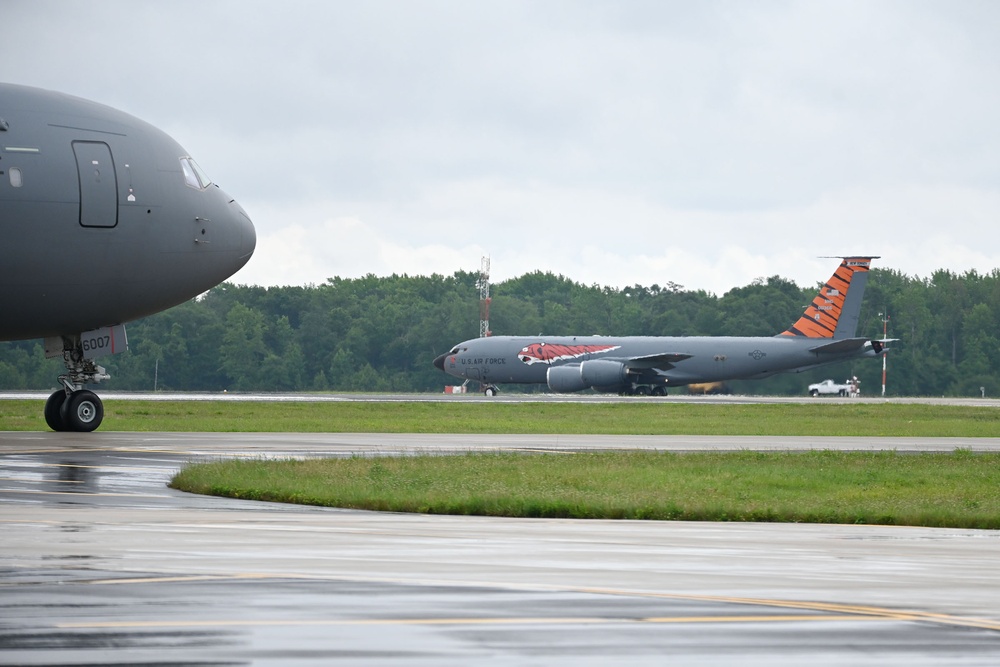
(885, 353)
(484, 298)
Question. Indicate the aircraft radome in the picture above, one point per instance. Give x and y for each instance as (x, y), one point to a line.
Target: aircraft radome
(105, 219)
(825, 334)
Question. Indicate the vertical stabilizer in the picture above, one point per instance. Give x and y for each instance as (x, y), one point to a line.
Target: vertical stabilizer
(835, 310)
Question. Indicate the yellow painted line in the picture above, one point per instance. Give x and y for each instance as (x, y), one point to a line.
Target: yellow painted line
(828, 611)
(790, 604)
(752, 618)
(860, 610)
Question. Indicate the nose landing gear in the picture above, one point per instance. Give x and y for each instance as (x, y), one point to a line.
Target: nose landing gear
(74, 408)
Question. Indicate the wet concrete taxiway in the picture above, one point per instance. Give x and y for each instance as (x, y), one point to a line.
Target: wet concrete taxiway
(100, 563)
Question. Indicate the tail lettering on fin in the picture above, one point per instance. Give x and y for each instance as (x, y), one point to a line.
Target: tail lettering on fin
(835, 310)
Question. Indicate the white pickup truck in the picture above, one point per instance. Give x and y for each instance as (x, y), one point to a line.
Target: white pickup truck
(829, 387)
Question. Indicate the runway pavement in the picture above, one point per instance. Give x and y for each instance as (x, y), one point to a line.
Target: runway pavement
(508, 397)
(101, 563)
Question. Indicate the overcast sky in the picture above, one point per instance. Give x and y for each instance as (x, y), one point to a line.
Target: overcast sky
(617, 143)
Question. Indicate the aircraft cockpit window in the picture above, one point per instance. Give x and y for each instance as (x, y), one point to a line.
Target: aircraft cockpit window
(194, 176)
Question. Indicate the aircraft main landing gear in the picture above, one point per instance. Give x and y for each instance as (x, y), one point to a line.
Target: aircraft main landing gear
(74, 408)
(80, 410)
(644, 390)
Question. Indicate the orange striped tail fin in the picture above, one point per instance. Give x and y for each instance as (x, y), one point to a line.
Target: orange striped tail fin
(835, 310)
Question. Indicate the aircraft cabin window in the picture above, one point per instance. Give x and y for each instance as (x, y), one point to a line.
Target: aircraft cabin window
(194, 176)
(15, 177)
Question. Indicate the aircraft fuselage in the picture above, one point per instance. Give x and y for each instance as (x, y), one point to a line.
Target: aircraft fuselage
(101, 223)
(695, 359)
(103, 219)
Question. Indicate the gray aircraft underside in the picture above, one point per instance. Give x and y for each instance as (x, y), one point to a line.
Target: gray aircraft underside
(105, 219)
(824, 334)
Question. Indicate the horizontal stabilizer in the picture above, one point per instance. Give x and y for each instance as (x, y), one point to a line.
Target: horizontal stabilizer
(663, 361)
(880, 344)
(841, 346)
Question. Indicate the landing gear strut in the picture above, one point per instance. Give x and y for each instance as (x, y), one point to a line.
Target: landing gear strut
(74, 408)
(644, 390)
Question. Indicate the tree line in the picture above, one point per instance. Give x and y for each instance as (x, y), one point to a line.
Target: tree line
(381, 334)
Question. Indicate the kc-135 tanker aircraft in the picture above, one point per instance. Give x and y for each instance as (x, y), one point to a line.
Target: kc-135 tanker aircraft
(104, 219)
(650, 364)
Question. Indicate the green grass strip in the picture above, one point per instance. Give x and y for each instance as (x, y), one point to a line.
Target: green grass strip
(960, 489)
(638, 418)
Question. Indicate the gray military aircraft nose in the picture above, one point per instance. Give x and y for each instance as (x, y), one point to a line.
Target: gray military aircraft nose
(243, 237)
(248, 237)
(105, 219)
(439, 362)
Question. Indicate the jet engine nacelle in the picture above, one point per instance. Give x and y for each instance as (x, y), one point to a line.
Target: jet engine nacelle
(600, 373)
(603, 373)
(564, 379)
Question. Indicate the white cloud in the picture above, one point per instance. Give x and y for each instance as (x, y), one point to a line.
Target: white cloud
(706, 144)
(622, 241)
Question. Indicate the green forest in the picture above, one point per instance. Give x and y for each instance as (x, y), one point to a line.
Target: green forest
(381, 334)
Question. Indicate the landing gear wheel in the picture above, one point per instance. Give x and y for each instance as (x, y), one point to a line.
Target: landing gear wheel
(74, 408)
(490, 391)
(82, 411)
(53, 411)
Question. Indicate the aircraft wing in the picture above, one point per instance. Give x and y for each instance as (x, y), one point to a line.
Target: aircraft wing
(664, 361)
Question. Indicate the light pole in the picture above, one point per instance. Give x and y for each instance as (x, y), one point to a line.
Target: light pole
(885, 352)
